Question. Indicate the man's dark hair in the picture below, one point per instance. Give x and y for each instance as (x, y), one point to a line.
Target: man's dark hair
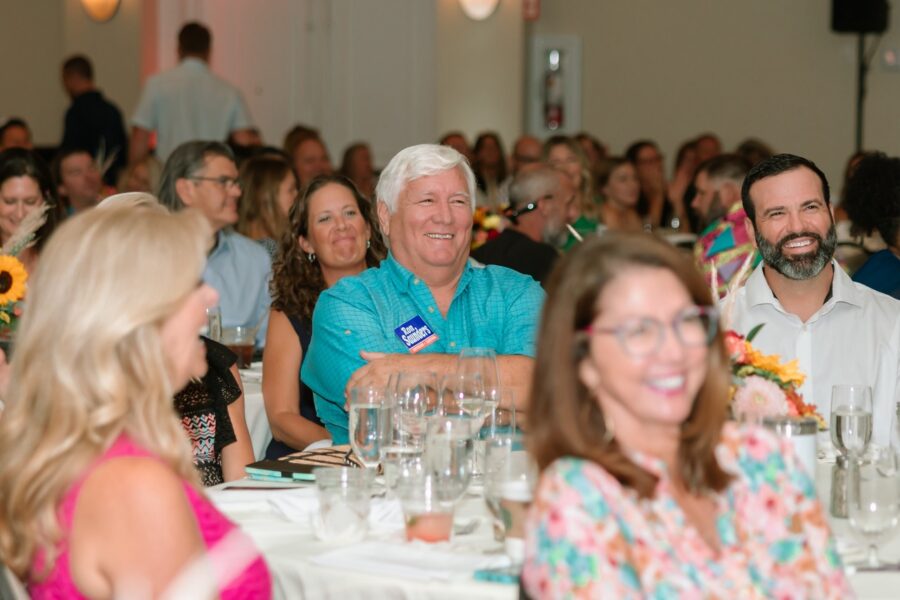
(62, 155)
(186, 160)
(725, 166)
(194, 39)
(79, 65)
(778, 164)
(10, 123)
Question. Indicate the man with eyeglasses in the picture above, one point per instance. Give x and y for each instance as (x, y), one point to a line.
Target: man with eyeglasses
(840, 331)
(203, 176)
(541, 203)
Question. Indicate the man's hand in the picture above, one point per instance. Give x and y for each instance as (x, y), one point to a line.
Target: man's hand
(381, 366)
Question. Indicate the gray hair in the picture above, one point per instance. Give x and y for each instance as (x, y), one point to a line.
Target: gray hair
(186, 161)
(419, 161)
(532, 184)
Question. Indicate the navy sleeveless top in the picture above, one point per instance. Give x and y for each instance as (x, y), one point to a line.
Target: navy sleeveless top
(303, 328)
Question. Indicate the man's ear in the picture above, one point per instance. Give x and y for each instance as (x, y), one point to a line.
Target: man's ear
(730, 193)
(384, 218)
(185, 190)
(751, 231)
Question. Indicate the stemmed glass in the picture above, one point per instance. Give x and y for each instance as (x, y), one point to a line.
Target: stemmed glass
(480, 362)
(462, 394)
(874, 500)
(416, 399)
(371, 423)
(851, 418)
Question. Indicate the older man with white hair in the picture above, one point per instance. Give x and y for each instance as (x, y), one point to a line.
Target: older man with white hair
(427, 301)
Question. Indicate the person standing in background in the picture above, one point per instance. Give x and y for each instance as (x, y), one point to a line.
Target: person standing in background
(189, 103)
(92, 122)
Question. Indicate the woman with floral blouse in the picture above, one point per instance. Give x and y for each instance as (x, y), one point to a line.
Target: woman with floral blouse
(646, 489)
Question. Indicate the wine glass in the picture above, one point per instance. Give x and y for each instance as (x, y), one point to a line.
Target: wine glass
(462, 395)
(214, 323)
(480, 362)
(874, 500)
(851, 418)
(371, 420)
(448, 455)
(416, 399)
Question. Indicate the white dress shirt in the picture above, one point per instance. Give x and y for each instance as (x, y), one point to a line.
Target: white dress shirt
(853, 338)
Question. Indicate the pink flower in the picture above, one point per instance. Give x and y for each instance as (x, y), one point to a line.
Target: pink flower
(758, 398)
(734, 343)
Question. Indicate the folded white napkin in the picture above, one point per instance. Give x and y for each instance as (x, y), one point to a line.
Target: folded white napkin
(410, 560)
(384, 515)
(247, 497)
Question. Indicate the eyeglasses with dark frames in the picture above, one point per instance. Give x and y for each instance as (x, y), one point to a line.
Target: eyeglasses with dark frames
(225, 182)
(694, 327)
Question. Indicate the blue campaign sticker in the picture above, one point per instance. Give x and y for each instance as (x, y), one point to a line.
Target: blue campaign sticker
(416, 334)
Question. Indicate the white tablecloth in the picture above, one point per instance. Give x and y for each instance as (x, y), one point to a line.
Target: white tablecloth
(289, 548)
(255, 410)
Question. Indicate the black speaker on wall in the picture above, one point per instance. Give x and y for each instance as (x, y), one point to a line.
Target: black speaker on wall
(859, 16)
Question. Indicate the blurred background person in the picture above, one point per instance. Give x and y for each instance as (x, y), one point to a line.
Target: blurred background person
(655, 206)
(269, 189)
(14, 133)
(620, 190)
(307, 153)
(489, 168)
(93, 461)
(564, 153)
(141, 176)
(872, 201)
(594, 151)
(93, 122)
(629, 427)
(357, 167)
(26, 186)
(457, 141)
(541, 201)
(78, 180)
(332, 234)
(754, 150)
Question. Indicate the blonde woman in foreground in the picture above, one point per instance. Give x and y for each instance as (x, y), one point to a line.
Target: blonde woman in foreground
(98, 495)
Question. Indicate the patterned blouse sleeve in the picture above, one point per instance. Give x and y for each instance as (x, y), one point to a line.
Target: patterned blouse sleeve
(824, 573)
(575, 547)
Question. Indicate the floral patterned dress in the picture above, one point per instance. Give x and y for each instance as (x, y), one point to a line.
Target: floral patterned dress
(588, 537)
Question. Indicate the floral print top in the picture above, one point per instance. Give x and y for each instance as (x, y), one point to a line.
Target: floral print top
(588, 537)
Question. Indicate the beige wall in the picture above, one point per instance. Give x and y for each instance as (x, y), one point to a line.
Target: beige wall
(480, 70)
(36, 36)
(768, 68)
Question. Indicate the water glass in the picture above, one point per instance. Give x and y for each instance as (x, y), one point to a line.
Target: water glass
(851, 418)
(449, 454)
(370, 423)
(416, 399)
(401, 458)
(510, 478)
(874, 500)
(462, 394)
(427, 506)
(344, 494)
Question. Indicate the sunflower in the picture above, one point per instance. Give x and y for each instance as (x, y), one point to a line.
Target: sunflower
(12, 279)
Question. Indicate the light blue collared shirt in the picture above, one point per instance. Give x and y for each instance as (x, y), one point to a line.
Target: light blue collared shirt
(239, 269)
(189, 102)
(493, 307)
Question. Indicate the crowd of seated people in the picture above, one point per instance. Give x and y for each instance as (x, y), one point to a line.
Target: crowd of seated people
(328, 270)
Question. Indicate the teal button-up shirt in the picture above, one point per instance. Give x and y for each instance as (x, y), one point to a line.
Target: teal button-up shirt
(493, 307)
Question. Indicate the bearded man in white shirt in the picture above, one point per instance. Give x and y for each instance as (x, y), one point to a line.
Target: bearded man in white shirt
(841, 332)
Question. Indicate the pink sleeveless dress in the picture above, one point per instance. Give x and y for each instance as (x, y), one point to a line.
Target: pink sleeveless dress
(254, 582)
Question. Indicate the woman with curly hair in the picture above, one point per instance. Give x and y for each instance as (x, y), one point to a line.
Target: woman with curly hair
(872, 201)
(332, 235)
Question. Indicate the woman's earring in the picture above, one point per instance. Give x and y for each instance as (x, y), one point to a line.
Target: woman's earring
(610, 431)
(368, 244)
(311, 256)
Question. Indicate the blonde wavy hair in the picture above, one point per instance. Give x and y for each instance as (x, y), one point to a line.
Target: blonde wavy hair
(89, 364)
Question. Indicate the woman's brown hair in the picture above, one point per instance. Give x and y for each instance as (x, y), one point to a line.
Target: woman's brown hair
(261, 177)
(565, 419)
(297, 281)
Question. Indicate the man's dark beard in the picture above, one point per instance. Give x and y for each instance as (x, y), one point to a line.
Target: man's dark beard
(800, 266)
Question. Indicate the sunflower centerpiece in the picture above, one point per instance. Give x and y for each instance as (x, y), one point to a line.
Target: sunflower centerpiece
(14, 276)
